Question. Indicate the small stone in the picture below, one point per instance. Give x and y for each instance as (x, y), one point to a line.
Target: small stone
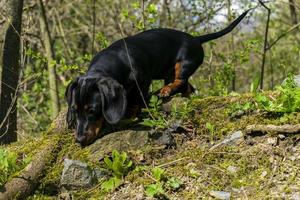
(233, 137)
(272, 141)
(237, 114)
(264, 174)
(220, 195)
(232, 169)
(65, 196)
(77, 175)
(102, 173)
(162, 138)
(236, 190)
(281, 136)
(295, 196)
(174, 102)
(292, 158)
(296, 79)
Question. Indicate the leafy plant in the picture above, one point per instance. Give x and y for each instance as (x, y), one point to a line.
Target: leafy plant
(146, 17)
(9, 164)
(287, 101)
(241, 107)
(174, 183)
(162, 182)
(159, 123)
(254, 85)
(183, 111)
(119, 165)
(158, 173)
(210, 127)
(157, 119)
(111, 184)
(153, 190)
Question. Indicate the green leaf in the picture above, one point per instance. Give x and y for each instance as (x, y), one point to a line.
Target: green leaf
(174, 183)
(255, 84)
(157, 173)
(111, 184)
(108, 163)
(148, 122)
(154, 190)
(193, 173)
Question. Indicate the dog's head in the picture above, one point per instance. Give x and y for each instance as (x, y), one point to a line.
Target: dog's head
(91, 100)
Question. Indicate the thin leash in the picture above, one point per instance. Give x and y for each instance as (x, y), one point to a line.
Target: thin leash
(135, 79)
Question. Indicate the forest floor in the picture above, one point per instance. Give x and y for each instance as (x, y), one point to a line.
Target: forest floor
(210, 154)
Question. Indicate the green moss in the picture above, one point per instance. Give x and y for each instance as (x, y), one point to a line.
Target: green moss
(254, 162)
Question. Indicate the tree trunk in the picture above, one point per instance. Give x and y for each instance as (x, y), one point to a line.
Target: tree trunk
(10, 73)
(24, 184)
(46, 37)
(231, 47)
(293, 12)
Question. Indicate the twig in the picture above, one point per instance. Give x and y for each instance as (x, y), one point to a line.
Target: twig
(94, 26)
(172, 162)
(265, 45)
(134, 72)
(287, 128)
(282, 35)
(150, 176)
(28, 113)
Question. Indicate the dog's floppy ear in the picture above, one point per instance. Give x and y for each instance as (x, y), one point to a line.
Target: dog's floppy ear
(69, 95)
(113, 98)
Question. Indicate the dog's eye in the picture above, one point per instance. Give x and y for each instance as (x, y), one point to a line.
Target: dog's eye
(91, 112)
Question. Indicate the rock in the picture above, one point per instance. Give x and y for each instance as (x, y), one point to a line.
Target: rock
(59, 125)
(176, 127)
(281, 136)
(232, 169)
(121, 141)
(65, 196)
(129, 140)
(272, 141)
(295, 196)
(101, 173)
(233, 137)
(77, 175)
(162, 138)
(230, 139)
(174, 102)
(264, 174)
(296, 79)
(220, 195)
(237, 114)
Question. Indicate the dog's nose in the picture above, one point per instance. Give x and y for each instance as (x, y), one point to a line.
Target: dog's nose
(81, 140)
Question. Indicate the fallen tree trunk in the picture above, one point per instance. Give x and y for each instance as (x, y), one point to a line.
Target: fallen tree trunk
(25, 183)
(285, 129)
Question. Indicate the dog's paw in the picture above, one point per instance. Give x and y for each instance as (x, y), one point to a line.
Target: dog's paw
(165, 91)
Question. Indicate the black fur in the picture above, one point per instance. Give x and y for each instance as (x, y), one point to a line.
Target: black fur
(110, 81)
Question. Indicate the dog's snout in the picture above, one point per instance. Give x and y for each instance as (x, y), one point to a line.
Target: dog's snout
(81, 139)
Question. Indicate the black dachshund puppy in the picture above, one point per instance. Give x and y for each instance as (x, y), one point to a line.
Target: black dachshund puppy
(121, 74)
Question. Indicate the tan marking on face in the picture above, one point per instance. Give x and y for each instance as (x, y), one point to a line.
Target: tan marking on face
(94, 130)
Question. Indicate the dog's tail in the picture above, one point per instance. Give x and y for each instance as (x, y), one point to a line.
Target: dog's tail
(212, 36)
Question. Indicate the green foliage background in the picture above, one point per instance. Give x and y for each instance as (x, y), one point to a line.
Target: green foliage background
(235, 57)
